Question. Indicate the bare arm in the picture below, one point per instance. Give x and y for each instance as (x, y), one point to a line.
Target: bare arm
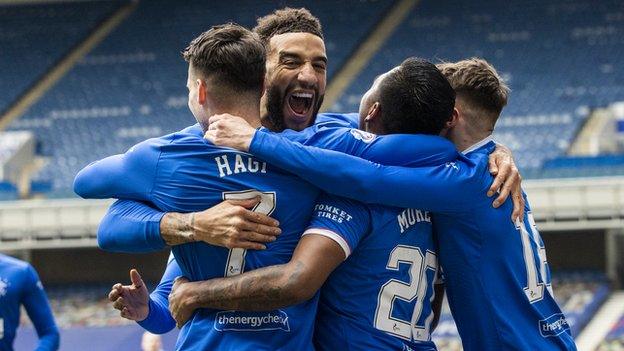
(177, 228)
(262, 289)
(229, 224)
(436, 306)
(507, 180)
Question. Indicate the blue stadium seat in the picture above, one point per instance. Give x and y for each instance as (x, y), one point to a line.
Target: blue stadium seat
(38, 36)
(560, 58)
(132, 86)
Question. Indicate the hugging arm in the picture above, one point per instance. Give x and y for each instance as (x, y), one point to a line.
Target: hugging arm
(263, 289)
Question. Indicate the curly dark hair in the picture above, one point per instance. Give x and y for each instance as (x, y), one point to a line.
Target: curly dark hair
(415, 98)
(288, 20)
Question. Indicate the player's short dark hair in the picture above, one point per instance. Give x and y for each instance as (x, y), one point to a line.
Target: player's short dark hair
(288, 20)
(478, 84)
(415, 98)
(230, 56)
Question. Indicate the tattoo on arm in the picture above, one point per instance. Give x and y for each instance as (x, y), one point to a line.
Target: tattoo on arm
(177, 228)
(262, 289)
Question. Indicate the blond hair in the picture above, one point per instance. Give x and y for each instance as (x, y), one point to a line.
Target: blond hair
(479, 88)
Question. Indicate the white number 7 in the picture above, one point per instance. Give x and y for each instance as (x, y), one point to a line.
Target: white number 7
(236, 257)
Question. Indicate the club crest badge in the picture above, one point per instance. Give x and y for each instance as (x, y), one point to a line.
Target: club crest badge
(362, 135)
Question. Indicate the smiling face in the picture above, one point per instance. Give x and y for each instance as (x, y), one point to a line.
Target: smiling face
(296, 78)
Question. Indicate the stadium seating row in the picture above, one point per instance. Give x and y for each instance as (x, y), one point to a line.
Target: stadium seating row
(579, 294)
(615, 339)
(132, 86)
(38, 36)
(560, 59)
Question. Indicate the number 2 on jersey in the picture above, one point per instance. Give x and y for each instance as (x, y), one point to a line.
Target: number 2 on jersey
(415, 289)
(236, 257)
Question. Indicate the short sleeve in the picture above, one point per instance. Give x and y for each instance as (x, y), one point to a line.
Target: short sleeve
(342, 220)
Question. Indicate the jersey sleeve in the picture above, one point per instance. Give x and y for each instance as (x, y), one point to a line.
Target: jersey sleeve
(445, 188)
(396, 149)
(159, 319)
(342, 220)
(38, 308)
(129, 176)
(131, 226)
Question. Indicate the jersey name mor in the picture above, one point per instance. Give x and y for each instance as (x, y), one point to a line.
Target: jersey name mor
(411, 216)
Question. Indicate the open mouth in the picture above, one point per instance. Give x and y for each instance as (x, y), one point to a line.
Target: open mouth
(301, 103)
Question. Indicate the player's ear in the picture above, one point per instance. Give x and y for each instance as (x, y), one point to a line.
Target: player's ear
(263, 85)
(202, 91)
(373, 112)
(454, 118)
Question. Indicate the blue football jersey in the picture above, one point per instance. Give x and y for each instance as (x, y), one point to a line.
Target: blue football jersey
(496, 274)
(20, 285)
(380, 297)
(182, 172)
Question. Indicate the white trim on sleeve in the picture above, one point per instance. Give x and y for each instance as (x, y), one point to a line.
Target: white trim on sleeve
(332, 235)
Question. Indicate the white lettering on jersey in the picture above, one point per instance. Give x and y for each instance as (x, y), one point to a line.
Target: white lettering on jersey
(332, 212)
(411, 216)
(240, 164)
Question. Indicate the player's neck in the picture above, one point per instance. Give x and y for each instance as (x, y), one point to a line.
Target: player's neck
(463, 139)
(248, 112)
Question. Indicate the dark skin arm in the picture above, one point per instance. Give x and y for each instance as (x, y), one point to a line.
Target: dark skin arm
(436, 305)
(263, 289)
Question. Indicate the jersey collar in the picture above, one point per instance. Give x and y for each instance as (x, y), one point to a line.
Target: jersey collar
(478, 144)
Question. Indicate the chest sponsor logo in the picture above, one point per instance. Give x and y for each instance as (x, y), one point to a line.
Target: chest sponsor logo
(332, 212)
(553, 325)
(252, 321)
